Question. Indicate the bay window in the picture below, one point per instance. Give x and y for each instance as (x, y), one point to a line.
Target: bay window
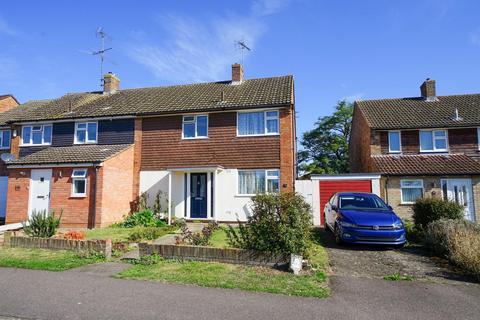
(433, 141)
(86, 132)
(394, 142)
(5, 139)
(37, 135)
(411, 190)
(251, 182)
(79, 183)
(195, 127)
(258, 123)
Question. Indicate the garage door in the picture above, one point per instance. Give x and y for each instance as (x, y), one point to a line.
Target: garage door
(328, 188)
(3, 195)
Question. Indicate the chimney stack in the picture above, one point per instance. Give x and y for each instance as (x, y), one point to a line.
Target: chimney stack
(428, 91)
(237, 72)
(111, 83)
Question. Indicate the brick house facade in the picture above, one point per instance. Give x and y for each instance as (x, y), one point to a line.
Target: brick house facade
(423, 147)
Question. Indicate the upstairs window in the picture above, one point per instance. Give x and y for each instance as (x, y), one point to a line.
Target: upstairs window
(5, 139)
(258, 123)
(251, 182)
(394, 142)
(86, 132)
(37, 135)
(195, 127)
(411, 190)
(79, 183)
(433, 141)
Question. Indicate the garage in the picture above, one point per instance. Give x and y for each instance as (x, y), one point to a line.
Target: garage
(318, 190)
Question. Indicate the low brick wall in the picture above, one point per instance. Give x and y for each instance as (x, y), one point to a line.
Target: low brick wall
(227, 255)
(103, 246)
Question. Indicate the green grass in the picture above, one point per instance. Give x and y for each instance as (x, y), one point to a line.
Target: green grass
(221, 275)
(116, 234)
(219, 238)
(398, 277)
(52, 260)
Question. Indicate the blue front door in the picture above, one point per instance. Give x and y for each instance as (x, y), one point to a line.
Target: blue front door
(198, 195)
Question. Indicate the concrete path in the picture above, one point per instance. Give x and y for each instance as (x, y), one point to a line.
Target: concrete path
(170, 238)
(34, 294)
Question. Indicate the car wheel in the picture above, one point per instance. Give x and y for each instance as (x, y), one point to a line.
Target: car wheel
(336, 233)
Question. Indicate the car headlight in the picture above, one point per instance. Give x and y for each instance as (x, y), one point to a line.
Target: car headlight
(398, 225)
(348, 224)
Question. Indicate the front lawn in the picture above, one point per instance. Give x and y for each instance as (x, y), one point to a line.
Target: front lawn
(52, 260)
(219, 238)
(221, 275)
(116, 234)
(134, 234)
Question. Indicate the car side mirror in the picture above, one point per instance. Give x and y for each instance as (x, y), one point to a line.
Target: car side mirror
(334, 207)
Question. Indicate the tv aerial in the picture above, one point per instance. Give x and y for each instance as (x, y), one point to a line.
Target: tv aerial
(242, 46)
(102, 35)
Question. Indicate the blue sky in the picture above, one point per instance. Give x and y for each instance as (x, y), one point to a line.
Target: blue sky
(335, 49)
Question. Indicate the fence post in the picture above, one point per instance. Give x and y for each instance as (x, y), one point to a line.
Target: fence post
(7, 236)
(108, 249)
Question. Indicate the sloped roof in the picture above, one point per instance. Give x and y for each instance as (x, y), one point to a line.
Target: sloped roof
(251, 93)
(451, 164)
(73, 154)
(414, 113)
(20, 110)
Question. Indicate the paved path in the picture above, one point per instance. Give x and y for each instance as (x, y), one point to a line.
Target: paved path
(170, 238)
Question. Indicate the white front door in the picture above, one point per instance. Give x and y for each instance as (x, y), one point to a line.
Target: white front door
(39, 191)
(460, 191)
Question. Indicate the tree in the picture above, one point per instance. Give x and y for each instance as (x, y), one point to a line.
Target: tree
(325, 148)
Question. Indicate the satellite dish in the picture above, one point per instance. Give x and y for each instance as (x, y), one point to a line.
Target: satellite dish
(7, 157)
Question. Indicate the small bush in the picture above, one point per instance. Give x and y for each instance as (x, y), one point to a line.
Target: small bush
(145, 218)
(201, 238)
(42, 224)
(427, 210)
(147, 233)
(74, 235)
(458, 241)
(414, 232)
(280, 224)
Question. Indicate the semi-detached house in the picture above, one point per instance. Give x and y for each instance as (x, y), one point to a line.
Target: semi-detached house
(206, 148)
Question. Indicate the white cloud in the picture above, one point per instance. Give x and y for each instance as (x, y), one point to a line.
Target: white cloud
(6, 29)
(195, 50)
(354, 97)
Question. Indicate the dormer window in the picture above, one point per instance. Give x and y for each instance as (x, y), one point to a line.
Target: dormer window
(37, 135)
(433, 141)
(86, 132)
(394, 142)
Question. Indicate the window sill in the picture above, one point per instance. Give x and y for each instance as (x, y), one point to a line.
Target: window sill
(433, 151)
(199, 138)
(258, 135)
(78, 196)
(35, 145)
(244, 195)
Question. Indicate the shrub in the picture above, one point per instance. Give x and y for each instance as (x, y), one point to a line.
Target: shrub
(145, 218)
(148, 233)
(414, 232)
(201, 238)
(426, 210)
(280, 224)
(458, 241)
(74, 235)
(42, 224)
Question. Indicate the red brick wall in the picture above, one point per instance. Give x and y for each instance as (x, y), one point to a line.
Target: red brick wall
(17, 195)
(117, 188)
(360, 144)
(7, 103)
(137, 158)
(287, 149)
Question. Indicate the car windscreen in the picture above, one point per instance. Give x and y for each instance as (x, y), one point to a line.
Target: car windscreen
(359, 202)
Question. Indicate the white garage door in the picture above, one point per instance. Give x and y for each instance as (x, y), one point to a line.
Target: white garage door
(3, 195)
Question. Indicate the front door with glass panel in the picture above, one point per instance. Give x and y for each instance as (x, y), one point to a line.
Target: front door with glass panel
(40, 191)
(198, 195)
(459, 191)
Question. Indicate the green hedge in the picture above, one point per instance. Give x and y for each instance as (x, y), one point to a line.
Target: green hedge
(427, 210)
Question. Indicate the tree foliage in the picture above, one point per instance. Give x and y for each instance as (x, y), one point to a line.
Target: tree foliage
(325, 148)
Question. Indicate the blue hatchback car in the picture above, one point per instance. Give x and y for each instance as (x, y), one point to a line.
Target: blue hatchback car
(363, 218)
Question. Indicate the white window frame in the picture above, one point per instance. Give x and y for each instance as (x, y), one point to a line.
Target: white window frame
(194, 121)
(30, 143)
(9, 139)
(87, 141)
(409, 187)
(266, 181)
(478, 137)
(79, 178)
(433, 140)
(399, 141)
(265, 118)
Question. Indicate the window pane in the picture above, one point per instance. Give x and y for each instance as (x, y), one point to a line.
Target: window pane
(81, 125)
(92, 132)
(426, 142)
(441, 144)
(271, 114)
(188, 118)
(81, 136)
(79, 173)
(79, 186)
(273, 185)
(411, 194)
(412, 183)
(251, 182)
(272, 126)
(37, 137)
(394, 141)
(47, 134)
(26, 135)
(272, 173)
(6, 139)
(189, 130)
(251, 123)
(440, 133)
(202, 124)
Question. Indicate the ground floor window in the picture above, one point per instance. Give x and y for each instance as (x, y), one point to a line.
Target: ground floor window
(251, 182)
(411, 190)
(79, 183)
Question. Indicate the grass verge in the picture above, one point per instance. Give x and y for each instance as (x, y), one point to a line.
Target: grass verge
(221, 275)
(52, 260)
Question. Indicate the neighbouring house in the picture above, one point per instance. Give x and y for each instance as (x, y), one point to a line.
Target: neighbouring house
(427, 146)
(205, 149)
(7, 102)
